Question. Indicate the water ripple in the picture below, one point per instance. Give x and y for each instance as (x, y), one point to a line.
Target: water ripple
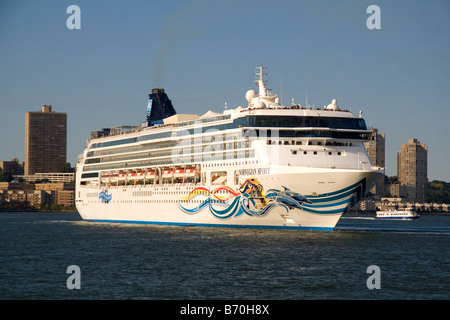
(123, 261)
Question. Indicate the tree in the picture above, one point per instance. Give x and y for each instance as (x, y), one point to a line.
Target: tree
(438, 192)
(5, 176)
(67, 168)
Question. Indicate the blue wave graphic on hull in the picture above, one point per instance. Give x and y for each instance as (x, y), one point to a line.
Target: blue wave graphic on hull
(240, 205)
(287, 197)
(252, 201)
(252, 194)
(105, 196)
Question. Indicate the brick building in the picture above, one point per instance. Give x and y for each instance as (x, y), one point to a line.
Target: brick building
(37, 195)
(412, 170)
(45, 141)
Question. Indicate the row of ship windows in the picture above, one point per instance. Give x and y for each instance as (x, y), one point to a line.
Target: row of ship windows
(150, 193)
(168, 144)
(396, 214)
(221, 164)
(173, 160)
(295, 152)
(250, 121)
(190, 148)
(173, 152)
(309, 143)
(162, 201)
(161, 135)
(185, 139)
(92, 195)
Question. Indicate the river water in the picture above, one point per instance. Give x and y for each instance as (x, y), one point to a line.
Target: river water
(120, 261)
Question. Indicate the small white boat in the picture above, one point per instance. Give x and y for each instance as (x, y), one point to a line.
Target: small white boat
(405, 214)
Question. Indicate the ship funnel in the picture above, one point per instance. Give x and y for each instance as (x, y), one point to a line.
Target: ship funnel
(159, 107)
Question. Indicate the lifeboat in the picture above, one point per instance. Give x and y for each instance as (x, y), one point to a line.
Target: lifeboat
(179, 173)
(122, 176)
(167, 173)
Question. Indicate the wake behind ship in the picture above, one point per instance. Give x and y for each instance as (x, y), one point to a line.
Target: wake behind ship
(260, 166)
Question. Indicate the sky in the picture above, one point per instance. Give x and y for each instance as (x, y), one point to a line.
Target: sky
(203, 54)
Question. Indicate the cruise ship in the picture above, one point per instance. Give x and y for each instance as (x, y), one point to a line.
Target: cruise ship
(261, 165)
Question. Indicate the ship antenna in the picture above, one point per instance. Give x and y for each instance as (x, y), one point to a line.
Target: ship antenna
(306, 102)
(260, 81)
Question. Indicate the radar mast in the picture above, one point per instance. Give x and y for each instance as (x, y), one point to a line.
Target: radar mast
(265, 98)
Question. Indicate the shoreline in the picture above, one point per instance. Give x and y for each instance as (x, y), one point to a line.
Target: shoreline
(36, 211)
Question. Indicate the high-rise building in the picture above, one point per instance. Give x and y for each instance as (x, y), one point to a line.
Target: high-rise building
(376, 149)
(45, 141)
(412, 170)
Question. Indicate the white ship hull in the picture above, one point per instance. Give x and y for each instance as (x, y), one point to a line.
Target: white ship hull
(264, 166)
(329, 192)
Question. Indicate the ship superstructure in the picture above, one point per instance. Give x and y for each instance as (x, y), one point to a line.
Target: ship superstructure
(263, 165)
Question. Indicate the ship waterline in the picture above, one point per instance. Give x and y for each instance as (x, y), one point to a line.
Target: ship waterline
(264, 166)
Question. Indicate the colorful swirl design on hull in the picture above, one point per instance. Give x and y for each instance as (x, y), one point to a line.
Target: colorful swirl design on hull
(250, 200)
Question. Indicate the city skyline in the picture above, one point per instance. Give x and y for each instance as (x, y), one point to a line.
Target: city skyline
(203, 53)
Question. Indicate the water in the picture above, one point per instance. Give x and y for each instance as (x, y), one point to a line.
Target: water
(120, 261)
